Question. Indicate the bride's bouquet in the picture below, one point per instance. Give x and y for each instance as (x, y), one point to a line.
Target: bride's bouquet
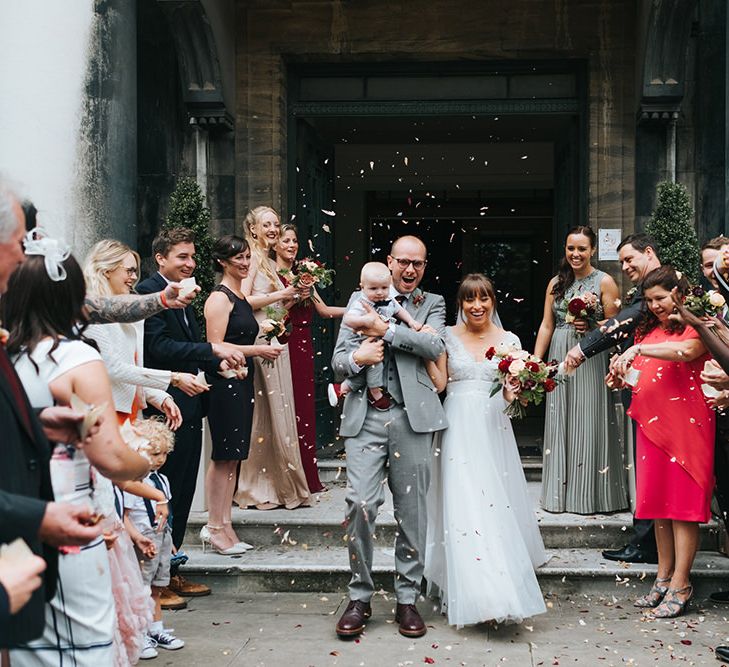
(528, 376)
(583, 306)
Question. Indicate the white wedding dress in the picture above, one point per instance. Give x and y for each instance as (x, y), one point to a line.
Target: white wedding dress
(483, 540)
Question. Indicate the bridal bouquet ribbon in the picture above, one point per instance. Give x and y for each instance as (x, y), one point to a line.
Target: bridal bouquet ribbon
(532, 377)
(308, 272)
(704, 303)
(585, 306)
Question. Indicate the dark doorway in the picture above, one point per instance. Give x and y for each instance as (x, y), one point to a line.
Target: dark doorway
(488, 192)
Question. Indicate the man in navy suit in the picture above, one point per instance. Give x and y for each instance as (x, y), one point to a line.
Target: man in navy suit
(172, 341)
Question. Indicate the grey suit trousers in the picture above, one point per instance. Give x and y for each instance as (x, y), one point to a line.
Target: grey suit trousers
(386, 438)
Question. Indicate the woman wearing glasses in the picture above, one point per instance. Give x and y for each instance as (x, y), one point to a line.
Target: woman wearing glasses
(111, 269)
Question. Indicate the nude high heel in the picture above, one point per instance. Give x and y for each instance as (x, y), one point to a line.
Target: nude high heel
(206, 539)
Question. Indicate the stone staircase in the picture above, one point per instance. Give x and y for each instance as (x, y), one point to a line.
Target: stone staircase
(305, 549)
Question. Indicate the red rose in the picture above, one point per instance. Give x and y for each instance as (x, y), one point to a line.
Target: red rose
(549, 385)
(532, 366)
(490, 353)
(576, 306)
(504, 365)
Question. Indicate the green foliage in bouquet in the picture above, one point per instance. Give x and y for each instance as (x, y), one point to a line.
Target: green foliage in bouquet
(187, 209)
(672, 228)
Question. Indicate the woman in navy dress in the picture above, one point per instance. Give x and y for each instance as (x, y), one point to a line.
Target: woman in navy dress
(229, 318)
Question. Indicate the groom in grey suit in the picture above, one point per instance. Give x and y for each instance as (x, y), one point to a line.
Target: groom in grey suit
(392, 441)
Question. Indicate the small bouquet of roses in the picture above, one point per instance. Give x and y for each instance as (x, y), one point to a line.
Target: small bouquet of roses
(308, 272)
(704, 303)
(276, 325)
(534, 377)
(583, 306)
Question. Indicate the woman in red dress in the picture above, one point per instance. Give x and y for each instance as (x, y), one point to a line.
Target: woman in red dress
(301, 350)
(675, 438)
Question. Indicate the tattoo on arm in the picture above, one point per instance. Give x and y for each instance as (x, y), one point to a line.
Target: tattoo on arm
(122, 309)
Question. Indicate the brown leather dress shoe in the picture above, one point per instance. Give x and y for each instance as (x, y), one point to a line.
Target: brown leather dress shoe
(170, 600)
(181, 586)
(352, 622)
(411, 624)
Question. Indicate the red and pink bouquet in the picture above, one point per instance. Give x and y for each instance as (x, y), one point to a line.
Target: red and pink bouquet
(527, 375)
(308, 272)
(585, 306)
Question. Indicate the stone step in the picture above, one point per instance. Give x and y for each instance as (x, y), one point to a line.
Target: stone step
(568, 572)
(334, 471)
(320, 526)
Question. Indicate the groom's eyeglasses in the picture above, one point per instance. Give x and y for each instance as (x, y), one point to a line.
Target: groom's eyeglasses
(418, 264)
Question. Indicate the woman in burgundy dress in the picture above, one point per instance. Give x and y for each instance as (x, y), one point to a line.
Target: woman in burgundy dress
(675, 438)
(301, 350)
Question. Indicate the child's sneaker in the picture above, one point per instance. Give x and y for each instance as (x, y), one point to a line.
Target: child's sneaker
(334, 392)
(166, 640)
(149, 650)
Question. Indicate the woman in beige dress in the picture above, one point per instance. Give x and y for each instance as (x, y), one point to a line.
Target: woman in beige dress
(273, 475)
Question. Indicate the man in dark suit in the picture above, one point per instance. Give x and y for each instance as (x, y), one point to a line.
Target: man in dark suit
(27, 509)
(172, 341)
(638, 257)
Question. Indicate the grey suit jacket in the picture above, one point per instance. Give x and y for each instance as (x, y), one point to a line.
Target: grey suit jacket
(409, 348)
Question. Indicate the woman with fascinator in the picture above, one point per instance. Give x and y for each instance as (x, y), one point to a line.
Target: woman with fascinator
(44, 307)
(483, 540)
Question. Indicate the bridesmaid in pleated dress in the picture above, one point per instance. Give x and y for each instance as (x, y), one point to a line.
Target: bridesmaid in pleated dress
(301, 349)
(583, 468)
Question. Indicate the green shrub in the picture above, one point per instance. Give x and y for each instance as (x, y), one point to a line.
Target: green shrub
(672, 228)
(187, 209)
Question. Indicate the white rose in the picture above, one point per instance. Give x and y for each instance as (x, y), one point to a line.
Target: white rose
(504, 349)
(517, 366)
(267, 326)
(520, 354)
(716, 299)
(311, 266)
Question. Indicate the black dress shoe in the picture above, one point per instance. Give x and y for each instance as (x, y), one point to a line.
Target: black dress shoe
(722, 653)
(631, 554)
(352, 621)
(409, 619)
(722, 597)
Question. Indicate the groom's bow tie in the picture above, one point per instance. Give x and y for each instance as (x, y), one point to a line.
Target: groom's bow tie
(401, 299)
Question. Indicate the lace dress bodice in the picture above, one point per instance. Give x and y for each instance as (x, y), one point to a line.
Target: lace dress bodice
(461, 364)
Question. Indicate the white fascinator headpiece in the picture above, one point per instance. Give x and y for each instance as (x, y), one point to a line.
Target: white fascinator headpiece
(53, 251)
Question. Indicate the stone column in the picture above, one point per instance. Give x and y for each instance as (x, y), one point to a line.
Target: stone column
(106, 187)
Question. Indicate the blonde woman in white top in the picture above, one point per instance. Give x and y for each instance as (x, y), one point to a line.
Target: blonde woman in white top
(111, 268)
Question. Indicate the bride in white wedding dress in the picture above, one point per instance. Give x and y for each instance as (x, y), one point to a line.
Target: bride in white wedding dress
(483, 541)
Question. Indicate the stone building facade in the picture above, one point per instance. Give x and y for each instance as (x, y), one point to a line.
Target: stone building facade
(488, 128)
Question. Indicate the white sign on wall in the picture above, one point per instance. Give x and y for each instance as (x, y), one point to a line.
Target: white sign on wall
(608, 241)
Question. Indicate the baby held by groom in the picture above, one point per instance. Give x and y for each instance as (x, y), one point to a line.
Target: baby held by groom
(379, 294)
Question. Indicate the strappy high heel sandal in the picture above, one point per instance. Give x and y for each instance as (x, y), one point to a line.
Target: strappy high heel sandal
(654, 596)
(206, 533)
(672, 606)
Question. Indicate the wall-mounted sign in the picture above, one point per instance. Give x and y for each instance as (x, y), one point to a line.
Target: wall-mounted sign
(608, 241)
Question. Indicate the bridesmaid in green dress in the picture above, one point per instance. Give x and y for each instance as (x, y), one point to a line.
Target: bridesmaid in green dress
(582, 468)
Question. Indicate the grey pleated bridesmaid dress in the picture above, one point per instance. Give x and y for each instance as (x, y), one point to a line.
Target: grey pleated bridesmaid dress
(583, 470)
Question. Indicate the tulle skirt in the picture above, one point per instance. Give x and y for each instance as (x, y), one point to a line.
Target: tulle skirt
(133, 600)
(483, 539)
